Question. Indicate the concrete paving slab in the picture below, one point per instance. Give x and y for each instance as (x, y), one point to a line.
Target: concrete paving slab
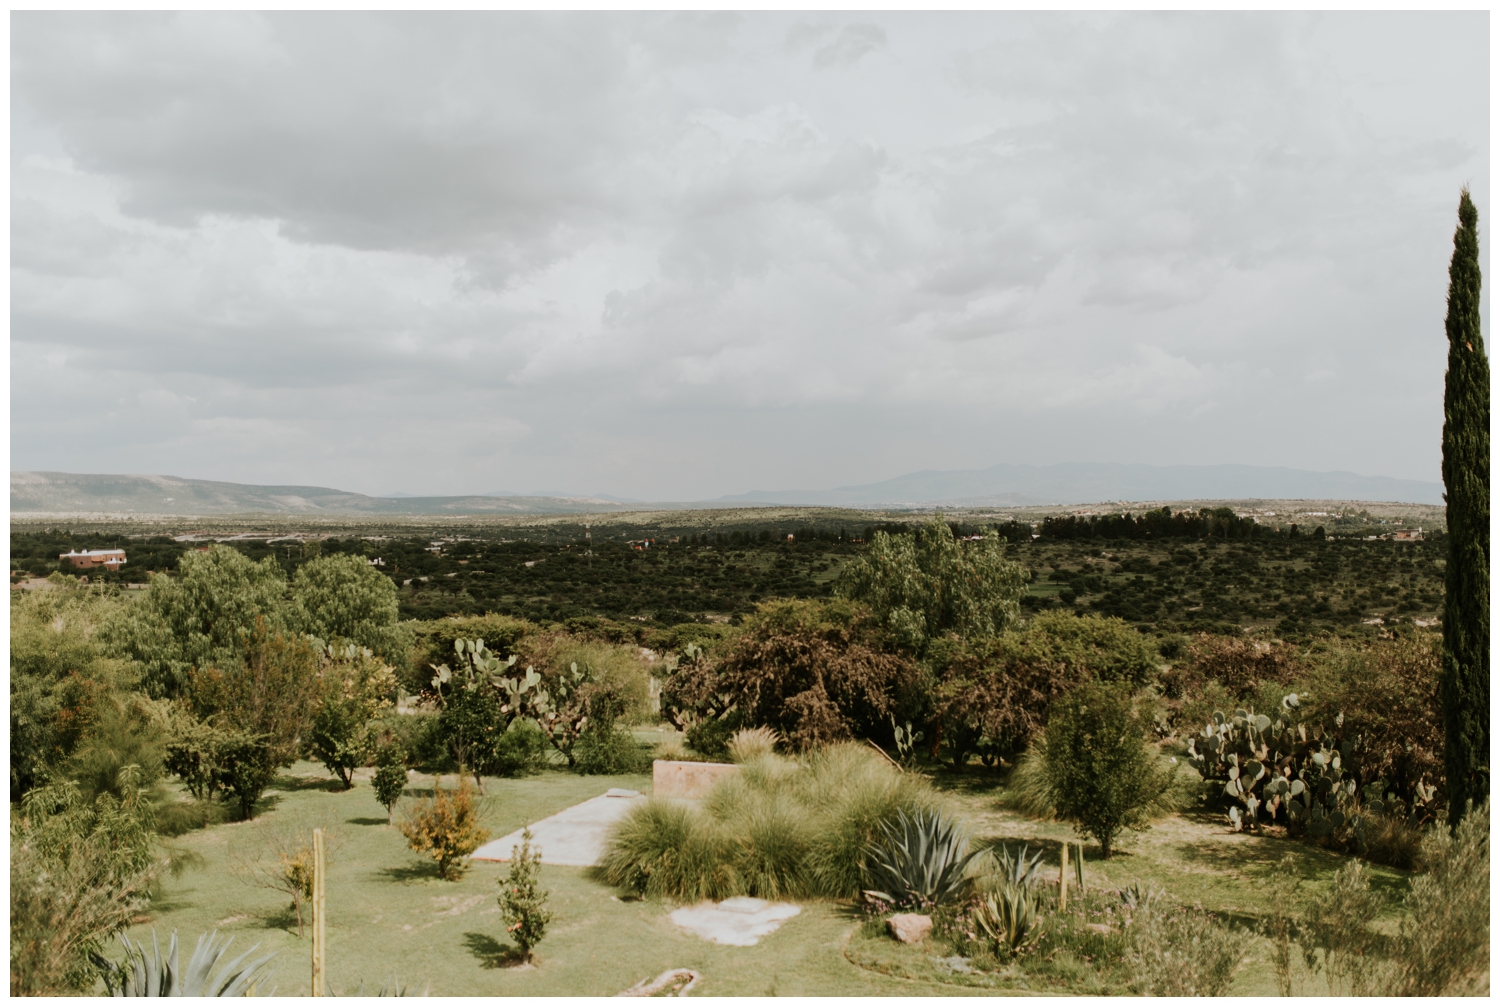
(740, 921)
(571, 838)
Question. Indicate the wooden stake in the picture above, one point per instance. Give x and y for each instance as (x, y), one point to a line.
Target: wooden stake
(1062, 879)
(318, 915)
(1079, 865)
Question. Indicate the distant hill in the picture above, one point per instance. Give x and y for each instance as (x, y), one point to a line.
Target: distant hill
(69, 493)
(1100, 482)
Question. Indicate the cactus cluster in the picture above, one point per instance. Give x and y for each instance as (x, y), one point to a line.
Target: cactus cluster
(1282, 769)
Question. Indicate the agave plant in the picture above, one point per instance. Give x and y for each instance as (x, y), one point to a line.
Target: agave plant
(1018, 871)
(144, 975)
(920, 861)
(1008, 918)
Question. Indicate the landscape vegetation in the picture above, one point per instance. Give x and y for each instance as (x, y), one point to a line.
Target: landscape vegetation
(1172, 751)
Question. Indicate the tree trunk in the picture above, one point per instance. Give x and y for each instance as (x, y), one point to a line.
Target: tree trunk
(1104, 845)
(297, 903)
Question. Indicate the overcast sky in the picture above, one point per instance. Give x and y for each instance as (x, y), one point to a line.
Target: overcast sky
(680, 256)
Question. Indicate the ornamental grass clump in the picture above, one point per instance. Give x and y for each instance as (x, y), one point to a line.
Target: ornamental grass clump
(775, 829)
(446, 827)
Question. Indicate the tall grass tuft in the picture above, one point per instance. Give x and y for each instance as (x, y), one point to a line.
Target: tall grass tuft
(751, 743)
(775, 829)
(1183, 952)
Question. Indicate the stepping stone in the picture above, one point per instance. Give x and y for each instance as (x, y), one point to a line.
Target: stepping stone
(571, 838)
(740, 921)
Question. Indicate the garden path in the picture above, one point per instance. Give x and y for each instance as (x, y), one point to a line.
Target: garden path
(574, 837)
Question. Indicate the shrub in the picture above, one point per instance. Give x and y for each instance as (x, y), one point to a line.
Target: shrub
(773, 829)
(998, 690)
(1102, 775)
(522, 750)
(355, 686)
(919, 860)
(751, 743)
(390, 778)
(279, 856)
(432, 642)
(1390, 839)
(1241, 666)
(247, 766)
(419, 735)
(816, 672)
(522, 905)
(79, 872)
(446, 827)
(1177, 951)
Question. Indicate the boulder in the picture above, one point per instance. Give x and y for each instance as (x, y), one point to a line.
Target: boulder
(909, 928)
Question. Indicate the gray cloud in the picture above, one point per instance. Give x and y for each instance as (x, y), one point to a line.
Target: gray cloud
(458, 252)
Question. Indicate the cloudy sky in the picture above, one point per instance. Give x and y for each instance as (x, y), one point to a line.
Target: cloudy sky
(679, 256)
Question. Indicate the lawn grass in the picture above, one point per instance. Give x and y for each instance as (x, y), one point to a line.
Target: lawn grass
(389, 914)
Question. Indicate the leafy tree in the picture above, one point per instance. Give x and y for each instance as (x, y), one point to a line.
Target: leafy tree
(271, 689)
(926, 584)
(343, 598)
(355, 687)
(1466, 476)
(247, 765)
(390, 778)
(1099, 770)
(523, 905)
(79, 872)
(206, 615)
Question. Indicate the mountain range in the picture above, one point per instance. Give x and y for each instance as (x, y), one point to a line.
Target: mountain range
(1001, 485)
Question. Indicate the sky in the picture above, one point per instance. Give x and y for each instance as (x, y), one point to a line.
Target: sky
(677, 256)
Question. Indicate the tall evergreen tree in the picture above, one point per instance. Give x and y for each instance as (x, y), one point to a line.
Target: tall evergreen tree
(1466, 477)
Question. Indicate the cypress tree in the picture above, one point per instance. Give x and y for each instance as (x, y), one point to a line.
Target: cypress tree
(1465, 686)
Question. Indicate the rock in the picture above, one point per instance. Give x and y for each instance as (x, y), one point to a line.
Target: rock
(909, 928)
(1100, 928)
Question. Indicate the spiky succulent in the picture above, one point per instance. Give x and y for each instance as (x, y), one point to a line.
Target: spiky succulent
(155, 975)
(919, 861)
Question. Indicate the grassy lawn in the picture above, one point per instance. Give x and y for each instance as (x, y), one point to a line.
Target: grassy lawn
(389, 914)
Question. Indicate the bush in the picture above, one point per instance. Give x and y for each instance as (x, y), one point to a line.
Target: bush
(522, 750)
(522, 906)
(1102, 775)
(79, 872)
(997, 691)
(390, 778)
(419, 736)
(446, 827)
(774, 829)
(1241, 666)
(1177, 951)
(816, 672)
(432, 642)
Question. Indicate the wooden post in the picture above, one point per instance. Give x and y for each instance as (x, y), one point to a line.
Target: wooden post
(318, 915)
(1062, 879)
(1081, 886)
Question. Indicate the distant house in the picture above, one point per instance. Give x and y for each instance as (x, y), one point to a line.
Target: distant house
(113, 559)
(1408, 536)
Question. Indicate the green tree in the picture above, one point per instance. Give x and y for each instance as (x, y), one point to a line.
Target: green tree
(390, 778)
(522, 905)
(205, 615)
(1099, 770)
(1465, 687)
(344, 598)
(355, 686)
(926, 584)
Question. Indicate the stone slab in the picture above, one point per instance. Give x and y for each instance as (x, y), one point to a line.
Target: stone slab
(739, 922)
(689, 781)
(573, 837)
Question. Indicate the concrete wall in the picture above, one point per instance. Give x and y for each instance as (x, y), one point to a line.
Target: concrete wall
(687, 780)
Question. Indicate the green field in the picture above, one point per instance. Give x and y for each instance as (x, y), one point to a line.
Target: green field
(390, 915)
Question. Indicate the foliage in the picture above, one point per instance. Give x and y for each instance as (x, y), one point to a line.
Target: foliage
(61, 677)
(919, 860)
(1466, 481)
(433, 641)
(774, 829)
(156, 976)
(605, 749)
(1102, 775)
(418, 733)
(279, 856)
(247, 765)
(354, 688)
(123, 736)
(1240, 665)
(615, 668)
(390, 777)
(994, 693)
(271, 690)
(446, 827)
(343, 599)
(751, 743)
(217, 606)
(523, 906)
(195, 753)
(79, 873)
(927, 584)
(816, 672)
(1180, 951)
